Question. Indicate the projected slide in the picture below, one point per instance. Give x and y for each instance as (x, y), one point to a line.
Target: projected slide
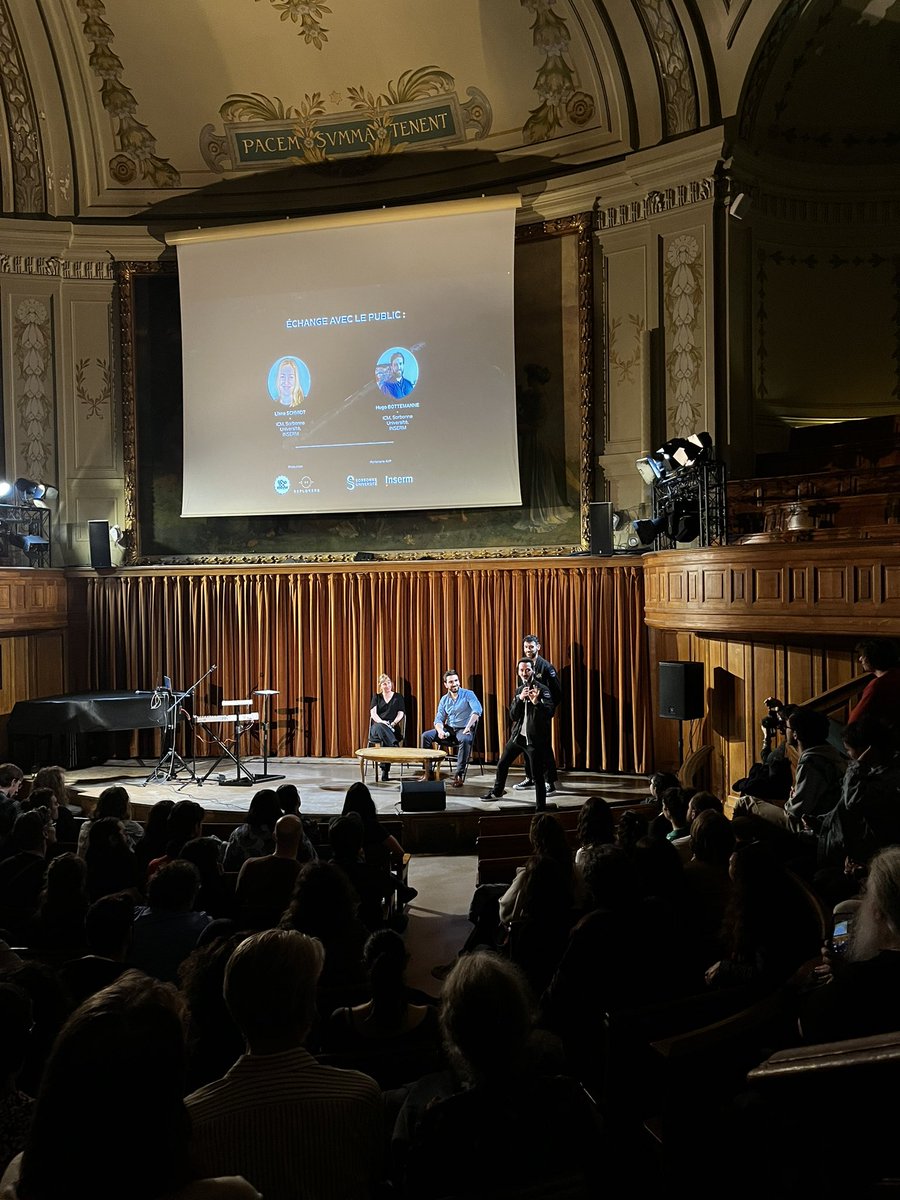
(342, 366)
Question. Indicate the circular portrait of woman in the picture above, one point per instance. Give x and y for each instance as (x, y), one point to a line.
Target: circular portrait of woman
(396, 372)
(289, 382)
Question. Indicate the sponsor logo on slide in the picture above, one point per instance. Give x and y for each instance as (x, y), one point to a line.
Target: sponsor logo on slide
(399, 480)
(354, 481)
(282, 485)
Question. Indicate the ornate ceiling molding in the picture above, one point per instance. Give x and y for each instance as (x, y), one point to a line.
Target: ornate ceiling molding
(54, 267)
(22, 127)
(672, 60)
(655, 203)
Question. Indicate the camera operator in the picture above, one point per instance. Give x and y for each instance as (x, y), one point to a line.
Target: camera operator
(771, 778)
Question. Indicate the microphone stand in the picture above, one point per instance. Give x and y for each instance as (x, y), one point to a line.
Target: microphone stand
(171, 764)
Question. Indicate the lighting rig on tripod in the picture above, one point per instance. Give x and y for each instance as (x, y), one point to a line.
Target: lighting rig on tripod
(687, 485)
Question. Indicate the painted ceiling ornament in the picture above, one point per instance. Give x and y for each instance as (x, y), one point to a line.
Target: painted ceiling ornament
(137, 158)
(309, 14)
(683, 300)
(562, 103)
(419, 111)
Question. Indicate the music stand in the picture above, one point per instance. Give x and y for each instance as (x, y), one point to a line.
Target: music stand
(264, 724)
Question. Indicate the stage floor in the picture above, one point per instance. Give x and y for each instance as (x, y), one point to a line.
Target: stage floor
(323, 782)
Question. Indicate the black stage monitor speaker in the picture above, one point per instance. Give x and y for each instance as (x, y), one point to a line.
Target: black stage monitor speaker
(98, 535)
(423, 796)
(601, 528)
(681, 690)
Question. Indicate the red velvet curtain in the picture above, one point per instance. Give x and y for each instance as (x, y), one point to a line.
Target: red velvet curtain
(322, 635)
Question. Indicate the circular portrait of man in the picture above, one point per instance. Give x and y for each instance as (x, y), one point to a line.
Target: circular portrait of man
(396, 372)
(289, 382)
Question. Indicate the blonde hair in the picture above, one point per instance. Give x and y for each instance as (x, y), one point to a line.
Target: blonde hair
(381, 679)
(297, 396)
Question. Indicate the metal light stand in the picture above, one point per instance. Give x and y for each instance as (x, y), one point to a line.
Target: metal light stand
(171, 764)
(264, 724)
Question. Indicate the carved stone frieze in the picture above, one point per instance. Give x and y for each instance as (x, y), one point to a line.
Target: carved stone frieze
(655, 203)
(23, 130)
(55, 267)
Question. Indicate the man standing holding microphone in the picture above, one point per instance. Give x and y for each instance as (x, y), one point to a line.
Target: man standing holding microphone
(530, 711)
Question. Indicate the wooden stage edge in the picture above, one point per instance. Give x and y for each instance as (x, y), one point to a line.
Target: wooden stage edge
(323, 783)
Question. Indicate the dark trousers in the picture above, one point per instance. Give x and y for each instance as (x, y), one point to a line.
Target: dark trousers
(535, 758)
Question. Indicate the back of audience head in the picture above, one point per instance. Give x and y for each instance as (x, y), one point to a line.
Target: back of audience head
(31, 830)
(43, 797)
(876, 926)
(661, 781)
(345, 836)
(675, 801)
(108, 924)
(702, 802)
(120, 1053)
(65, 888)
(113, 802)
(156, 833)
(870, 733)
(323, 903)
(631, 827)
(548, 838)
(809, 726)
(288, 835)
(270, 986)
(264, 810)
(595, 823)
(183, 825)
(288, 798)
(359, 800)
(174, 887)
(205, 853)
(10, 774)
(659, 868)
(610, 877)
(486, 1016)
(877, 654)
(106, 836)
(385, 958)
(712, 838)
(547, 891)
(53, 778)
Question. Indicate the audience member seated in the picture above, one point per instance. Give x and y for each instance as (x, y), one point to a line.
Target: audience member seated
(54, 778)
(881, 696)
(698, 803)
(860, 996)
(292, 1126)
(51, 1006)
(373, 885)
(867, 817)
(536, 939)
(820, 768)
(772, 777)
(214, 1042)
(111, 865)
(153, 844)
(708, 883)
(167, 928)
(112, 802)
(16, 1109)
(215, 897)
(59, 922)
(660, 781)
(380, 848)
(11, 778)
(45, 798)
(770, 927)
(596, 827)
(323, 906)
(632, 826)
(265, 884)
(511, 1132)
(22, 874)
(256, 837)
(395, 1040)
(183, 824)
(120, 1054)
(548, 839)
(675, 803)
(107, 928)
(289, 801)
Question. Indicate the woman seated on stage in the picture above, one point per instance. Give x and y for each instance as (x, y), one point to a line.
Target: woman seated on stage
(387, 716)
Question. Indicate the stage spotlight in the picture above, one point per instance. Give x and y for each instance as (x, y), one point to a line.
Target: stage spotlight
(28, 541)
(32, 490)
(6, 489)
(650, 469)
(648, 531)
(117, 535)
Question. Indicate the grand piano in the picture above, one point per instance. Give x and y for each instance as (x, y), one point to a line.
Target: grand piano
(64, 719)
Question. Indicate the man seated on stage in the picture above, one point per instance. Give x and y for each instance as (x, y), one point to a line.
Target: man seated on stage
(531, 711)
(454, 725)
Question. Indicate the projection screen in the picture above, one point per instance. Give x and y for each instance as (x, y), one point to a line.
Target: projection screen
(354, 363)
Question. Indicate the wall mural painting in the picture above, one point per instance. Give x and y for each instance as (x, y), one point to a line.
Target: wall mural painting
(553, 387)
(310, 17)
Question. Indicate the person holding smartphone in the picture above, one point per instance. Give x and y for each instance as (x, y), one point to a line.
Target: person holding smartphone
(531, 711)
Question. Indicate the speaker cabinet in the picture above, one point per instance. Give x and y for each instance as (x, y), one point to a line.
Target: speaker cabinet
(423, 795)
(601, 528)
(98, 535)
(681, 690)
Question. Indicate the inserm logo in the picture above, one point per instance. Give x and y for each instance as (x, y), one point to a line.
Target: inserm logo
(282, 485)
(354, 481)
(398, 480)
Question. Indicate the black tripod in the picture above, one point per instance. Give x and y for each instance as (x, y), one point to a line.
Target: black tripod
(171, 764)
